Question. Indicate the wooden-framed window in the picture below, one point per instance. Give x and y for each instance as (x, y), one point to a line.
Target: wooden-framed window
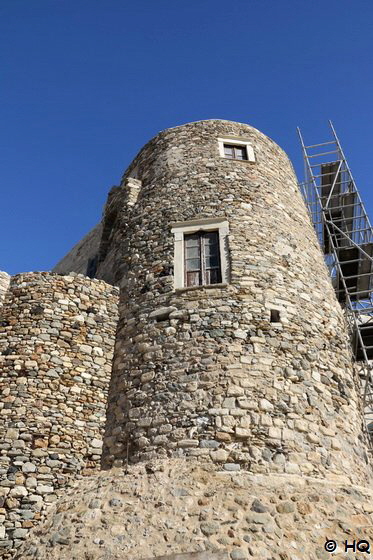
(236, 148)
(235, 151)
(201, 253)
(202, 258)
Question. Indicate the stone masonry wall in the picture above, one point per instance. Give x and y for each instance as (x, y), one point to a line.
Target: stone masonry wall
(4, 284)
(204, 372)
(56, 348)
(175, 506)
(120, 202)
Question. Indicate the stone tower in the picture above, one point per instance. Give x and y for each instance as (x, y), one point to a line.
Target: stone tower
(233, 403)
(231, 346)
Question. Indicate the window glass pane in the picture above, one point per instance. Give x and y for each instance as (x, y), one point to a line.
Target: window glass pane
(202, 268)
(191, 240)
(192, 264)
(240, 152)
(211, 258)
(211, 250)
(212, 262)
(233, 151)
(210, 238)
(228, 151)
(192, 252)
(192, 279)
(213, 276)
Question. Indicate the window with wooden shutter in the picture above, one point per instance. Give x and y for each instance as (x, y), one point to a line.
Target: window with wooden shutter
(202, 258)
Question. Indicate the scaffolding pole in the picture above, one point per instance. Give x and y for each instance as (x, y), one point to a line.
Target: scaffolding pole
(346, 237)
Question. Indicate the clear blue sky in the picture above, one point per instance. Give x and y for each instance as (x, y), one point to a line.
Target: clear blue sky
(85, 83)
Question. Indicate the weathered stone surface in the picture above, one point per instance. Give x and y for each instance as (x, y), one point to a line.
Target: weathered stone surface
(213, 518)
(161, 313)
(4, 284)
(209, 359)
(205, 555)
(54, 394)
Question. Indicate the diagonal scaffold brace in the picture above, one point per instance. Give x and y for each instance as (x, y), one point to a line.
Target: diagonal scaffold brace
(346, 237)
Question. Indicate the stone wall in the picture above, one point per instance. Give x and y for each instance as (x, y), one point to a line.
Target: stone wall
(4, 284)
(56, 348)
(111, 266)
(176, 506)
(206, 372)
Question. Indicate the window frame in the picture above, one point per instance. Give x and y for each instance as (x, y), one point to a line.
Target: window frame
(239, 142)
(203, 271)
(236, 150)
(180, 229)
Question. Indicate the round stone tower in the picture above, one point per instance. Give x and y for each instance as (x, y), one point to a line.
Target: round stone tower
(231, 346)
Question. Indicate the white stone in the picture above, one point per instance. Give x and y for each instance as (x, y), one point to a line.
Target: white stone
(44, 489)
(301, 425)
(239, 333)
(265, 405)
(18, 492)
(28, 467)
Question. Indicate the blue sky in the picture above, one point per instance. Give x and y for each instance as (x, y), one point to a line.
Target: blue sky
(85, 83)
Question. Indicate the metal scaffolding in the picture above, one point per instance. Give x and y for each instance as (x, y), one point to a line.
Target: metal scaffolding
(346, 237)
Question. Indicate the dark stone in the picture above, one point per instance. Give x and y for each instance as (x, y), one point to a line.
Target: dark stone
(238, 554)
(258, 507)
(94, 504)
(267, 455)
(37, 310)
(114, 502)
(91, 310)
(167, 270)
(8, 351)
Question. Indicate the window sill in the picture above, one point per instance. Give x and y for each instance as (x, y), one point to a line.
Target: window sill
(205, 287)
(240, 160)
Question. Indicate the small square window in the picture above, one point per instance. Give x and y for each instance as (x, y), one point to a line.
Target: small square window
(232, 151)
(275, 316)
(236, 148)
